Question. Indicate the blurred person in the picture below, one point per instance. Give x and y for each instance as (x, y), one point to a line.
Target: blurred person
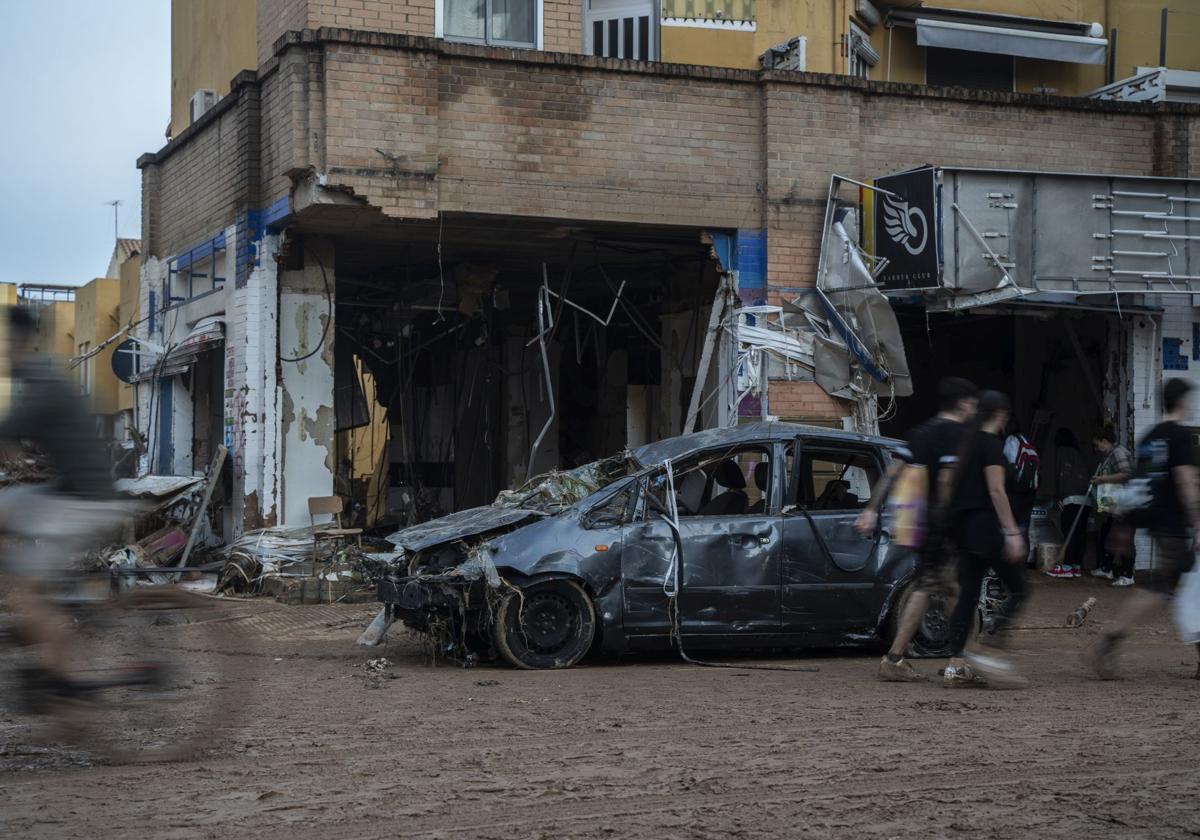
(1167, 459)
(1116, 551)
(933, 446)
(986, 533)
(52, 520)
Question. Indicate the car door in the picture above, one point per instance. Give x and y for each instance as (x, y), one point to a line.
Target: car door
(729, 577)
(830, 574)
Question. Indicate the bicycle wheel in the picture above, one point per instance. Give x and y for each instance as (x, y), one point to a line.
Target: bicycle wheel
(152, 677)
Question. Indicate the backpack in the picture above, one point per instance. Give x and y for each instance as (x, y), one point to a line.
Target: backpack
(1026, 465)
(907, 505)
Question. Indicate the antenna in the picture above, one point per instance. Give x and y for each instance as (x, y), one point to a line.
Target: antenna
(115, 205)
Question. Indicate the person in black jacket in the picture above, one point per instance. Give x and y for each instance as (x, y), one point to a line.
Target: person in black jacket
(987, 536)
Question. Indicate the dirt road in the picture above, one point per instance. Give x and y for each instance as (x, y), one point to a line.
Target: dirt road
(649, 748)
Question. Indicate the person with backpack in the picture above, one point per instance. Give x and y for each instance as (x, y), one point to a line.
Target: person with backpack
(921, 473)
(1163, 496)
(1116, 552)
(1023, 478)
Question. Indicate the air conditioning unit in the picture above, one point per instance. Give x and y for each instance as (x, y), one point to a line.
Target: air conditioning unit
(202, 101)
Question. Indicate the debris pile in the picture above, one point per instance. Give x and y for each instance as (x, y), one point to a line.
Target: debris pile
(24, 466)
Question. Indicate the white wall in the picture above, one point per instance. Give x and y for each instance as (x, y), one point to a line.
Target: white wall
(306, 409)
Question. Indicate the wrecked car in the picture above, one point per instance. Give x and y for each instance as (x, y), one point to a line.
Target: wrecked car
(754, 548)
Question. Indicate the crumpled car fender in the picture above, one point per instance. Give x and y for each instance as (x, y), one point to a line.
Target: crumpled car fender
(559, 547)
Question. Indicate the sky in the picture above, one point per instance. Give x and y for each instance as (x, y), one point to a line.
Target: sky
(85, 86)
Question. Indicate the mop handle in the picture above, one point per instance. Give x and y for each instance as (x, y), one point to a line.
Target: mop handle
(1079, 514)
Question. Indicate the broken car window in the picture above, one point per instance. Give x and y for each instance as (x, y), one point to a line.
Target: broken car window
(833, 479)
(727, 482)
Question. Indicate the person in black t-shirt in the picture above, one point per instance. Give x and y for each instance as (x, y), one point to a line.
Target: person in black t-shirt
(987, 536)
(933, 445)
(1167, 456)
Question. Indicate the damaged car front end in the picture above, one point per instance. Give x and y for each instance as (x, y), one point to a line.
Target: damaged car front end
(519, 578)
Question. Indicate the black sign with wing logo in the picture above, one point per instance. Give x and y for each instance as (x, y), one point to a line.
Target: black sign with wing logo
(906, 230)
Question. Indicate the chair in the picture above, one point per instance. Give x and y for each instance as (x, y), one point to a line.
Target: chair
(319, 506)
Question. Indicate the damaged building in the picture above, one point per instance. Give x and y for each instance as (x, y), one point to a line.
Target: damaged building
(414, 273)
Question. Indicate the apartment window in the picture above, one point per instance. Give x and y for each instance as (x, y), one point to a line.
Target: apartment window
(862, 55)
(963, 68)
(502, 23)
(85, 369)
(620, 29)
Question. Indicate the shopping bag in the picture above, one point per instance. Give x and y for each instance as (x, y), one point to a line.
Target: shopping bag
(1187, 607)
(907, 506)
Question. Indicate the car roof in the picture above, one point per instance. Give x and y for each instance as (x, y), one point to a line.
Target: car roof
(757, 432)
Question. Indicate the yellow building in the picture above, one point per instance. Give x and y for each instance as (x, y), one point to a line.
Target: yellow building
(125, 267)
(55, 309)
(8, 294)
(211, 42)
(1065, 47)
(97, 310)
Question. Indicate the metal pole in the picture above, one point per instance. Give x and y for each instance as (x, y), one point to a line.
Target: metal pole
(1112, 56)
(1162, 41)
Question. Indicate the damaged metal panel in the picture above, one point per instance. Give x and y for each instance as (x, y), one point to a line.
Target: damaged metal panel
(460, 525)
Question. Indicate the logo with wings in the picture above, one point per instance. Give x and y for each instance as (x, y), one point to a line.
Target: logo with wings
(905, 225)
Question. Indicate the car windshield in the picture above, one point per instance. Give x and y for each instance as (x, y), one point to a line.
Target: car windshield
(560, 489)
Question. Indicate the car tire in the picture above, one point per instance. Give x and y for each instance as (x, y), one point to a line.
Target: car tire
(932, 638)
(544, 625)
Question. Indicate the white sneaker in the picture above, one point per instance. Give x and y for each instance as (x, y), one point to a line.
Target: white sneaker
(1102, 573)
(998, 672)
(1123, 581)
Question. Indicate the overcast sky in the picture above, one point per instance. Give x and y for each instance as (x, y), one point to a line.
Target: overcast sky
(85, 89)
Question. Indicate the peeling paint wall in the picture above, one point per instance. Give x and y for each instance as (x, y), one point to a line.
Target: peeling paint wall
(251, 395)
(306, 413)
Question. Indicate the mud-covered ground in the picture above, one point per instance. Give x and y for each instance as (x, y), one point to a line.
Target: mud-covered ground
(644, 748)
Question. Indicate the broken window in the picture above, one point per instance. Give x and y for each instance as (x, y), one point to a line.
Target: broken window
(830, 478)
(728, 482)
(613, 511)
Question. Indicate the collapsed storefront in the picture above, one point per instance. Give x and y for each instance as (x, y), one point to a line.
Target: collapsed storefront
(1050, 288)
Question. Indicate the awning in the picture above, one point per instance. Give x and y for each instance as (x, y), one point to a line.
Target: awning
(1028, 43)
(208, 334)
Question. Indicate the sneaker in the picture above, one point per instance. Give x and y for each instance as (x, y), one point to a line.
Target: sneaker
(1102, 573)
(961, 677)
(1102, 656)
(1123, 581)
(996, 671)
(899, 671)
(1061, 571)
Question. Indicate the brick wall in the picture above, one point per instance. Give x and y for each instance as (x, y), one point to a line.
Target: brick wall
(562, 20)
(562, 26)
(199, 182)
(382, 126)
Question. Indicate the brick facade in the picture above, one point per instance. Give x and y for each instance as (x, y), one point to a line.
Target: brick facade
(414, 127)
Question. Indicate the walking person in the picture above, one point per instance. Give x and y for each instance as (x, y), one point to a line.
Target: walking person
(1167, 465)
(988, 537)
(930, 455)
(1116, 551)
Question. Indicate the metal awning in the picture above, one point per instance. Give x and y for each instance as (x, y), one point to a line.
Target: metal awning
(1028, 43)
(208, 334)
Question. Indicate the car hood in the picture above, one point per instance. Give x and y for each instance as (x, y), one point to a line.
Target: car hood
(458, 526)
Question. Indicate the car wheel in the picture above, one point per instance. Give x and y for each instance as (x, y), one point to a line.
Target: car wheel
(545, 625)
(932, 638)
